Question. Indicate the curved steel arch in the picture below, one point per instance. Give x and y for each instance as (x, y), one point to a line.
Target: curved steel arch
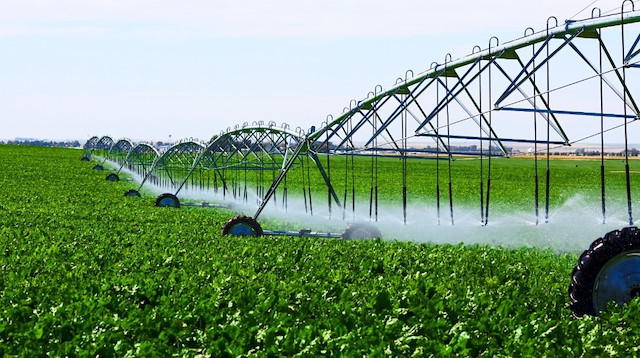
(105, 143)
(250, 148)
(180, 154)
(255, 148)
(117, 152)
(120, 151)
(103, 146)
(123, 144)
(143, 154)
(88, 147)
(141, 158)
(91, 143)
(174, 164)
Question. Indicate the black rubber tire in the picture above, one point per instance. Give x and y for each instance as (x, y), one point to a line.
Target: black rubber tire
(361, 231)
(98, 167)
(585, 278)
(113, 177)
(84, 159)
(242, 225)
(132, 193)
(168, 199)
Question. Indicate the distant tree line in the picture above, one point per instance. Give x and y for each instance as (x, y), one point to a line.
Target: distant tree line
(44, 143)
(633, 152)
(471, 149)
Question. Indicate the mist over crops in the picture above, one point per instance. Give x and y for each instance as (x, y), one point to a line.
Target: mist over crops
(572, 224)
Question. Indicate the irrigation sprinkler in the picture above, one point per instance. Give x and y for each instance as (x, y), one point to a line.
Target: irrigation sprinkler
(509, 99)
(97, 147)
(490, 100)
(88, 147)
(101, 150)
(298, 156)
(139, 161)
(241, 163)
(167, 170)
(123, 154)
(514, 81)
(246, 165)
(117, 155)
(136, 159)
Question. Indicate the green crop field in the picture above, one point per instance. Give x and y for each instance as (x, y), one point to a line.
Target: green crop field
(87, 272)
(512, 180)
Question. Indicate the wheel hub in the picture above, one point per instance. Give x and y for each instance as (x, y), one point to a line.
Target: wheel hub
(166, 202)
(241, 230)
(618, 281)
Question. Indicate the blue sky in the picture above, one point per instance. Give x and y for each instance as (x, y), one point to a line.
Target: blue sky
(145, 69)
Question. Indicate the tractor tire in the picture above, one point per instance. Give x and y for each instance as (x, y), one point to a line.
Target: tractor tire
(98, 167)
(113, 177)
(609, 270)
(132, 192)
(242, 225)
(360, 231)
(168, 199)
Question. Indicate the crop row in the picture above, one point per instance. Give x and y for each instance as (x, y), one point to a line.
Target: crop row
(86, 272)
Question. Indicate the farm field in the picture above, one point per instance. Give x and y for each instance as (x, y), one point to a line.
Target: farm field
(575, 206)
(512, 180)
(88, 272)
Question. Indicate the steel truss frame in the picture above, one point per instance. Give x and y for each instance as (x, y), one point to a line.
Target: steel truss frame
(88, 147)
(257, 148)
(119, 152)
(141, 158)
(173, 165)
(516, 93)
(490, 90)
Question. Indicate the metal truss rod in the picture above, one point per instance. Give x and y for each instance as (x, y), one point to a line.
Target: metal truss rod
(515, 85)
(421, 151)
(631, 54)
(372, 111)
(403, 105)
(622, 82)
(512, 84)
(450, 96)
(599, 73)
(575, 113)
(491, 132)
(286, 166)
(327, 180)
(514, 140)
(434, 129)
(555, 125)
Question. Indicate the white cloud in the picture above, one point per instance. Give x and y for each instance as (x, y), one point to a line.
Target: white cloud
(278, 18)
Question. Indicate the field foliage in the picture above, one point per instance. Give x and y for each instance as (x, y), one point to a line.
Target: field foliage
(512, 180)
(87, 272)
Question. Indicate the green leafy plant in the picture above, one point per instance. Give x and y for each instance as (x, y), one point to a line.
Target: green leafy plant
(88, 272)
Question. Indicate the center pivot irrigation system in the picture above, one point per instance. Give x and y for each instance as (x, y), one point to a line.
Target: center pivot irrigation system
(571, 82)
